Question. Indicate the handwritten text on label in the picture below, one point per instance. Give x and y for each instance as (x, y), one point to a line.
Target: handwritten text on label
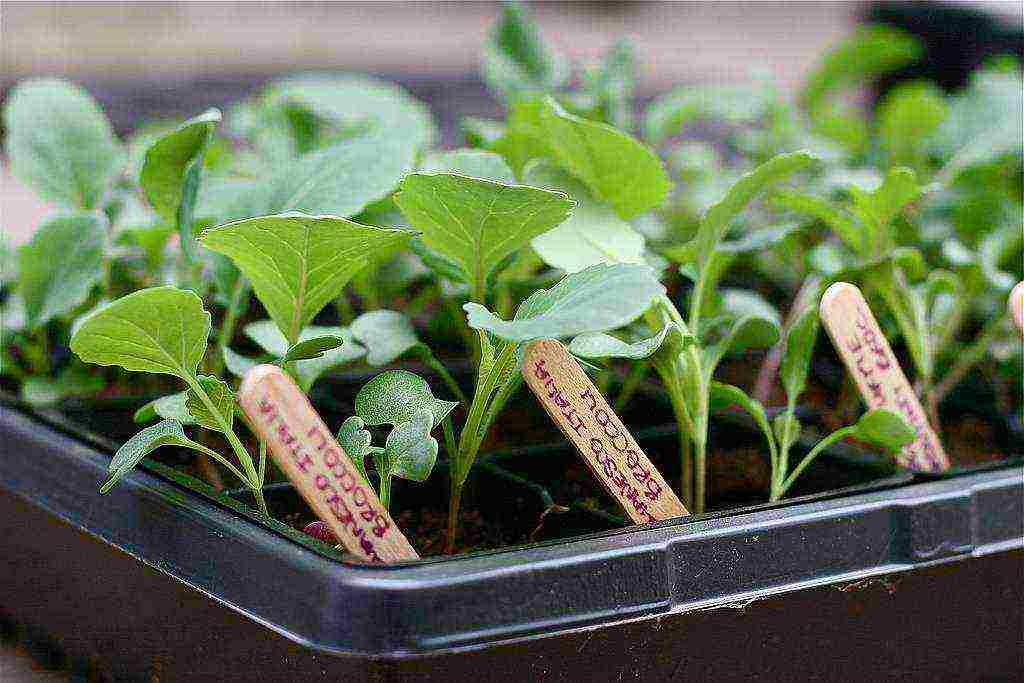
(319, 468)
(574, 403)
(869, 359)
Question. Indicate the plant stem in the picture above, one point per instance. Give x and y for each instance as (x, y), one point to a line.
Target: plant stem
(385, 490)
(770, 368)
(431, 361)
(239, 296)
(832, 438)
(454, 503)
(966, 360)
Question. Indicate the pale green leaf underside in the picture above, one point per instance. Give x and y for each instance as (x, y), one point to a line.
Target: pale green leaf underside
(477, 223)
(601, 345)
(298, 263)
(387, 335)
(169, 407)
(128, 456)
(60, 266)
(60, 143)
(471, 163)
(269, 337)
(600, 298)
(162, 330)
(592, 234)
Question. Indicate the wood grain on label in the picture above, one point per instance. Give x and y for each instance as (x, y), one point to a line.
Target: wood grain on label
(586, 419)
(1017, 305)
(869, 360)
(316, 464)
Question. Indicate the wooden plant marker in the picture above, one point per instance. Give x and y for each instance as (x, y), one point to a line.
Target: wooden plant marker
(869, 360)
(586, 419)
(1017, 305)
(316, 464)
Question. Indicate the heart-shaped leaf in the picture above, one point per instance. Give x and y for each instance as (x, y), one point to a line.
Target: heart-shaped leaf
(60, 266)
(161, 330)
(298, 263)
(355, 440)
(602, 297)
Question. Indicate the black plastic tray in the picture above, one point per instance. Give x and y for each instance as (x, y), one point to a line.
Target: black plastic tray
(155, 579)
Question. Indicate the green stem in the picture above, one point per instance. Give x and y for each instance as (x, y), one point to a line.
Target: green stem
(385, 490)
(239, 296)
(263, 463)
(832, 438)
(454, 505)
(431, 361)
(966, 360)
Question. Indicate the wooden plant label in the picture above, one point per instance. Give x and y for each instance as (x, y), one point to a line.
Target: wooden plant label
(1017, 305)
(586, 419)
(316, 464)
(869, 360)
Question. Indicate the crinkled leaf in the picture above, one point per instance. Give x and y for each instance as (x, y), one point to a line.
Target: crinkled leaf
(387, 335)
(355, 441)
(592, 234)
(128, 456)
(169, 162)
(223, 400)
(617, 168)
(161, 330)
(410, 452)
(394, 397)
(719, 217)
(60, 266)
(298, 263)
(471, 163)
(516, 60)
(314, 347)
(884, 428)
(796, 362)
(60, 143)
(478, 223)
(73, 381)
(600, 298)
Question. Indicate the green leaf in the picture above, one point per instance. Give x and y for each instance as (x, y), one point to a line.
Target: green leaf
(128, 456)
(719, 217)
(410, 452)
(161, 330)
(525, 137)
(60, 143)
(516, 61)
(870, 52)
(355, 440)
(387, 335)
(478, 223)
(600, 298)
(908, 118)
(617, 168)
(669, 114)
(591, 234)
(314, 347)
(884, 428)
(223, 400)
(269, 337)
(725, 395)
(298, 263)
(169, 407)
(839, 221)
(758, 240)
(169, 163)
(471, 163)
(745, 302)
(611, 87)
(796, 363)
(787, 429)
(237, 364)
(73, 381)
(394, 397)
(60, 266)
(877, 210)
(600, 345)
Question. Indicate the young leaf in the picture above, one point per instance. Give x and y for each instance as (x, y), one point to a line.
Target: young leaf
(616, 167)
(907, 118)
(796, 362)
(516, 61)
(223, 400)
(884, 428)
(477, 223)
(394, 397)
(60, 266)
(720, 216)
(611, 87)
(592, 234)
(839, 221)
(165, 433)
(876, 210)
(787, 429)
(669, 114)
(171, 160)
(269, 337)
(169, 407)
(600, 298)
(298, 263)
(60, 143)
(471, 163)
(315, 347)
(725, 395)
(161, 330)
(410, 452)
(387, 335)
(600, 345)
(355, 440)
